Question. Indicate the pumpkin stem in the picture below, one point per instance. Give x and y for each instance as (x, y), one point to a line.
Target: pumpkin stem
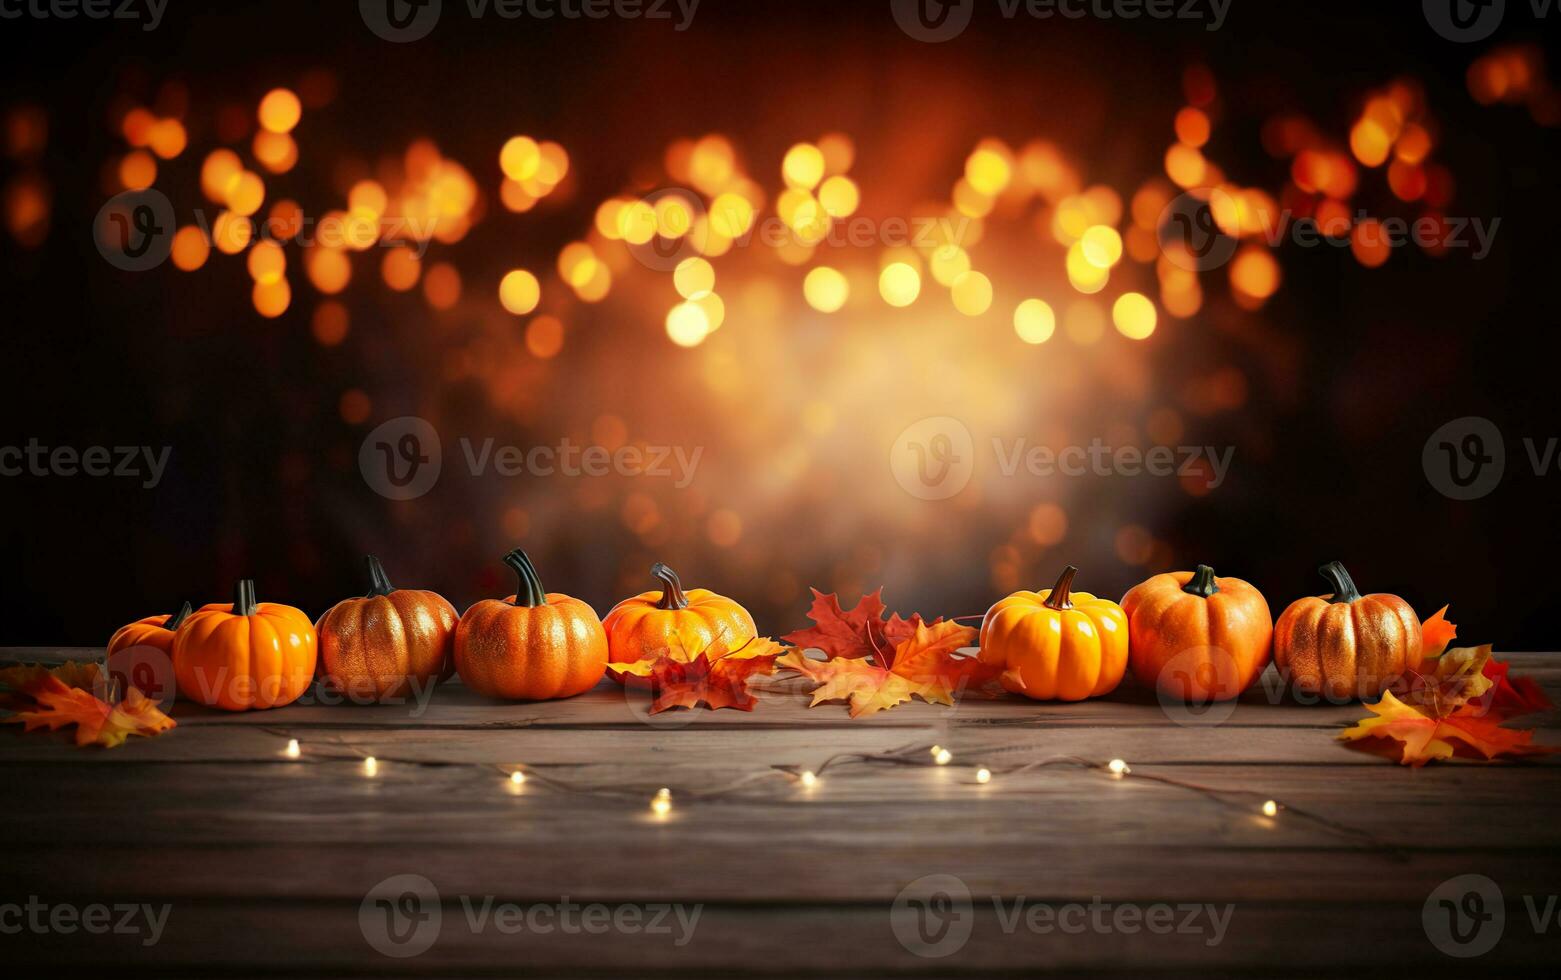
(1059, 597)
(244, 597)
(671, 589)
(1344, 589)
(177, 619)
(530, 593)
(1202, 583)
(379, 582)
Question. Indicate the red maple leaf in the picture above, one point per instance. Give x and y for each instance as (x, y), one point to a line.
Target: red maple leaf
(861, 632)
(713, 676)
(924, 665)
(1509, 697)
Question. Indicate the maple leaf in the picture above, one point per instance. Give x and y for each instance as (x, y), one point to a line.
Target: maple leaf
(922, 666)
(861, 632)
(62, 697)
(19, 684)
(1453, 679)
(1509, 697)
(714, 676)
(1423, 738)
(1436, 633)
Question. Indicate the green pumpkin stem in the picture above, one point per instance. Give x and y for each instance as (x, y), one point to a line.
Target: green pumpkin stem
(672, 596)
(1344, 589)
(379, 582)
(1060, 597)
(1202, 583)
(530, 592)
(177, 619)
(244, 597)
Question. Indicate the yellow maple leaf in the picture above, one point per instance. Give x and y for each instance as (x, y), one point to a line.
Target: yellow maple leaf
(923, 666)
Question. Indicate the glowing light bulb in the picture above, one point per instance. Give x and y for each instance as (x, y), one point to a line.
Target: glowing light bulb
(293, 751)
(517, 777)
(1118, 767)
(983, 775)
(942, 757)
(1270, 808)
(808, 778)
(370, 766)
(661, 803)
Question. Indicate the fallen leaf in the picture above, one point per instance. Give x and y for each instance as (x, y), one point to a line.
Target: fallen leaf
(922, 666)
(1510, 697)
(861, 632)
(63, 696)
(714, 676)
(1423, 738)
(1444, 684)
(19, 684)
(1436, 633)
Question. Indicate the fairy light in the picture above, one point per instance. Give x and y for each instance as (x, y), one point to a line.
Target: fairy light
(370, 767)
(1270, 808)
(983, 775)
(661, 803)
(293, 751)
(517, 777)
(1118, 768)
(809, 779)
(941, 756)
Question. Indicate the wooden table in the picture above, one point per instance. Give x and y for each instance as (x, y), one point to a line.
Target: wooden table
(270, 865)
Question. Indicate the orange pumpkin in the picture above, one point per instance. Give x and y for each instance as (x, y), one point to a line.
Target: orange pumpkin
(246, 654)
(388, 644)
(1197, 637)
(533, 646)
(1056, 645)
(1346, 645)
(652, 623)
(153, 631)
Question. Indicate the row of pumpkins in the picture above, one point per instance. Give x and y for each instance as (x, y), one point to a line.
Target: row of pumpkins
(1192, 635)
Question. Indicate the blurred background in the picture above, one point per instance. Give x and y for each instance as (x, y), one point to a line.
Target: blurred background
(777, 238)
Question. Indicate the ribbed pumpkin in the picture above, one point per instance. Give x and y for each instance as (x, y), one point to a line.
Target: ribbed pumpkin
(533, 646)
(1346, 645)
(153, 631)
(1197, 637)
(1056, 645)
(246, 654)
(387, 644)
(655, 622)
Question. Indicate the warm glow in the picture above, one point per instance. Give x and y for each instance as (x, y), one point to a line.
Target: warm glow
(401, 269)
(839, 196)
(687, 325)
(280, 111)
(803, 167)
(231, 233)
(521, 158)
(545, 337)
(329, 269)
(1085, 276)
(1102, 246)
(826, 289)
(972, 294)
(218, 172)
(190, 248)
(266, 262)
(442, 286)
(272, 298)
(519, 292)
(989, 170)
(899, 284)
(1255, 272)
(693, 278)
(1134, 315)
(1034, 321)
(947, 263)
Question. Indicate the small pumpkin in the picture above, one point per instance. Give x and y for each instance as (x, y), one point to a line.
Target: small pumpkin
(1197, 637)
(1056, 645)
(533, 646)
(245, 654)
(657, 621)
(389, 643)
(1346, 645)
(153, 631)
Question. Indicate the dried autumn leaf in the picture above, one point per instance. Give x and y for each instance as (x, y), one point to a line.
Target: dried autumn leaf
(861, 632)
(1436, 633)
(20, 684)
(923, 666)
(57, 703)
(1424, 738)
(713, 676)
(1446, 683)
(1510, 697)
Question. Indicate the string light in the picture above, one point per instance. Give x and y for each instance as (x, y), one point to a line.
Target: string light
(1270, 808)
(661, 803)
(941, 756)
(517, 777)
(983, 775)
(809, 779)
(1118, 768)
(370, 766)
(293, 751)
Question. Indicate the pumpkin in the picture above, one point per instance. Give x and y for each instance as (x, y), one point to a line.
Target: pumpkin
(387, 644)
(1197, 637)
(654, 622)
(1346, 645)
(1056, 645)
(153, 631)
(246, 654)
(533, 646)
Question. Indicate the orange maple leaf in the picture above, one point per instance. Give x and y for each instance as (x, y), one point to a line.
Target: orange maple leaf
(1436, 633)
(861, 632)
(1424, 738)
(59, 702)
(923, 666)
(712, 676)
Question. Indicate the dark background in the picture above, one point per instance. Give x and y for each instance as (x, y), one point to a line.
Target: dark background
(263, 480)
